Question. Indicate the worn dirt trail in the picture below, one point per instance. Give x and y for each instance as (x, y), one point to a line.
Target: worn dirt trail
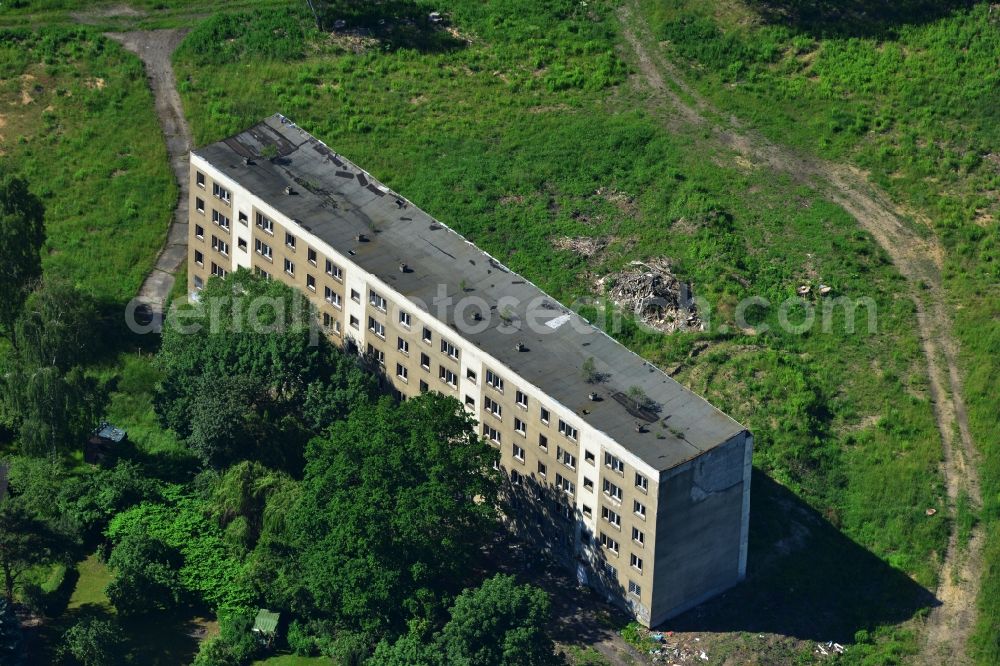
(155, 47)
(916, 255)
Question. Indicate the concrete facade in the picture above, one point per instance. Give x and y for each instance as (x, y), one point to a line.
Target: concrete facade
(657, 521)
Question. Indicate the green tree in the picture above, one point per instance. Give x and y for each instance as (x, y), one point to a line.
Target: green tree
(12, 643)
(639, 398)
(35, 483)
(146, 573)
(285, 380)
(236, 642)
(91, 501)
(410, 649)
(22, 233)
(206, 567)
(240, 497)
(499, 624)
(223, 420)
(216, 652)
(26, 542)
(56, 411)
(395, 504)
(58, 327)
(94, 642)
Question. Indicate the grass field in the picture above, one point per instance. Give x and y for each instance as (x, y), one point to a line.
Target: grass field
(912, 100)
(522, 135)
(76, 120)
(89, 590)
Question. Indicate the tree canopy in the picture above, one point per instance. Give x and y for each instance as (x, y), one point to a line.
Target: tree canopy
(94, 642)
(396, 502)
(22, 233)
(50, 401)
(498, 623)
(248, 375)
(54, 411)
(57, 327)
(177, 531)
(26, 542)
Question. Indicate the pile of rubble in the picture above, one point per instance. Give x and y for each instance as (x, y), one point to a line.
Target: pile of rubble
(675, 650)
(654, 294)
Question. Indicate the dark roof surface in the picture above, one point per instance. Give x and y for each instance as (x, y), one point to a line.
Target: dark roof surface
(109, 432)
(336, 201)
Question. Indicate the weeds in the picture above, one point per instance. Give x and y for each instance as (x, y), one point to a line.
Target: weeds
(910, 95)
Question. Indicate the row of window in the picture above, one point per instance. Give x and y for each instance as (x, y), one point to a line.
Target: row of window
(611, 490)
(611, 544)
(379, 302)
(447, 347)
(266, 224)
(217, 190)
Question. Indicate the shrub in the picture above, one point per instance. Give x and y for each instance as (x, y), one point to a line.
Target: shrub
(94, 642)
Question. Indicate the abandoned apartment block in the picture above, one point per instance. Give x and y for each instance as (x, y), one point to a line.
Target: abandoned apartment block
(614, 469)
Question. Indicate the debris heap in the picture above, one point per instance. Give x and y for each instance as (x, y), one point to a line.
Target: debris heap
(654, 294)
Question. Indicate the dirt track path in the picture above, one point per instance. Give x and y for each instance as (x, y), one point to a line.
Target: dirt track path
(918, 259)
(155, 47)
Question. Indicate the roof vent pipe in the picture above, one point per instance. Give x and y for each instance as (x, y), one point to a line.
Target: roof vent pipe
(288, 189)
(362, 238)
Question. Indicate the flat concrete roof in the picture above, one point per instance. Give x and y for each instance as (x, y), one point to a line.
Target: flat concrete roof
(336, 201)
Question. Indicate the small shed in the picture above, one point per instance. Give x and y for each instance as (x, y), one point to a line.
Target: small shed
(102, 442)
(265, 627)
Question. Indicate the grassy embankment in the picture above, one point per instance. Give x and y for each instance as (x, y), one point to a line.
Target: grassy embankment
(77, 122)
(911, 97)
(520, 136)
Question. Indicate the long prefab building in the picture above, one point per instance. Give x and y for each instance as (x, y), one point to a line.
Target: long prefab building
(614, 468)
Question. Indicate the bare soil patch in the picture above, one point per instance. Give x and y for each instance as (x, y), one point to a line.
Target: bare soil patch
(97, 14)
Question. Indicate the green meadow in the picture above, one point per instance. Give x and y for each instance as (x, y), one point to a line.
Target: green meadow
(909, 93)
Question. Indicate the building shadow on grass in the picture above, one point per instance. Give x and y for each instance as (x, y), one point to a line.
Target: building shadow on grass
(855, 18)
(113, 335)
(806, 579)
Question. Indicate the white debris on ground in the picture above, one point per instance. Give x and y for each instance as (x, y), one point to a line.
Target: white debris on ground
(654, 294)
(668, 648)
(829, 648)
